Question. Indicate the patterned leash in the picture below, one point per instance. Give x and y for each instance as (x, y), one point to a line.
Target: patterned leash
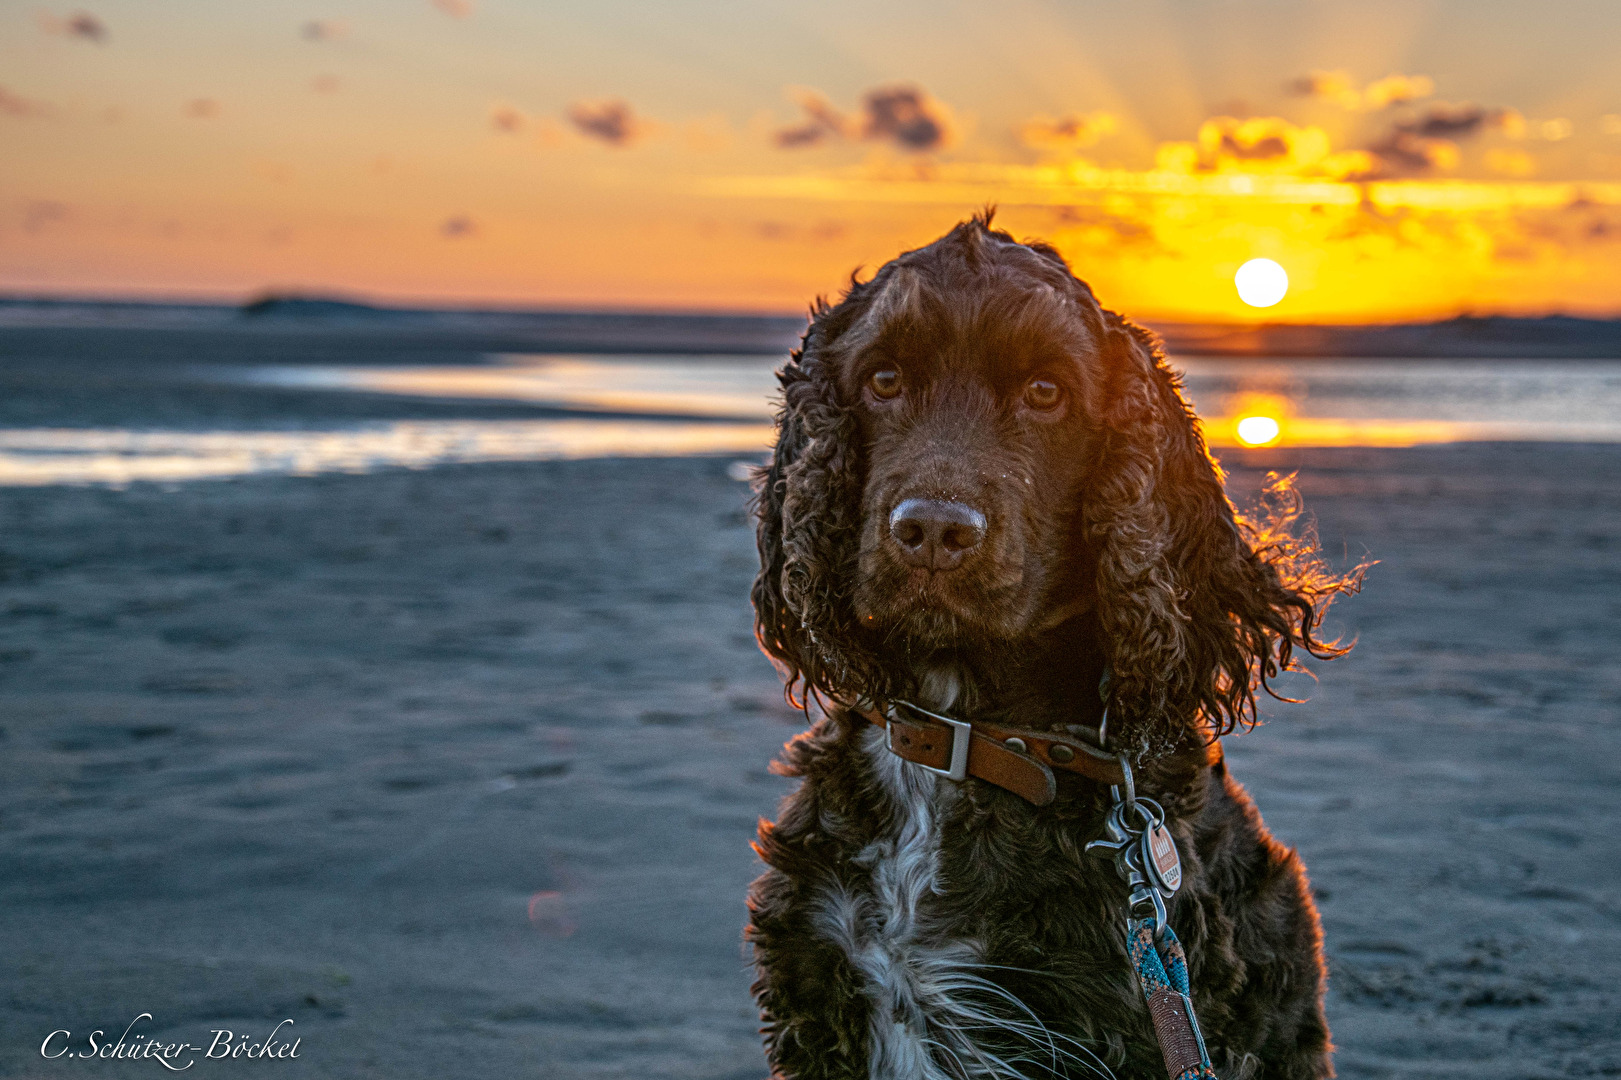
(1144, 854)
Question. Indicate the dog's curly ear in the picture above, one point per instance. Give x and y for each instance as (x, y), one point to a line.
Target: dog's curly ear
(1199, 605)
(808, 508)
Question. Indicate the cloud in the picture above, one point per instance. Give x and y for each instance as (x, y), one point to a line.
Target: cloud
(202, 108)
(1510, 123)
(819, 232)
(81, 24)
(457, 227)
(1339, 88)
(43, 213)
(456, 9)
(1556, 130)
(324, 30)
(1098, 227)
(1373, 231)
(15, 105)
(613, 122)
(1403, 152)
(1267, 145)
(900, 113)
(326, 84)
(822, 122)
(1428, 139)
(1441, 121)
(1397, 90)
(907, 116)
(507, 119)
(1335, 86)
(1073, 131)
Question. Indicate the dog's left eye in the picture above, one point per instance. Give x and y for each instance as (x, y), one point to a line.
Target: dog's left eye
(1042, 394)
(885, 384)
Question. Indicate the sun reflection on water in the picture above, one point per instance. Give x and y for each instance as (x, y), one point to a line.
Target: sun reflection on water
(116, 457)
(1244, 404)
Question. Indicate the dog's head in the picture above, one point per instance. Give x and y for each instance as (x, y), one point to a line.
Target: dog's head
(971, 452)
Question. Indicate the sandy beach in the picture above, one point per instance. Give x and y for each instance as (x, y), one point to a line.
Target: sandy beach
(381, 386)
(458, 769)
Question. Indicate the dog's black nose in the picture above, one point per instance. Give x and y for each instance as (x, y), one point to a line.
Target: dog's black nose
(936, 534)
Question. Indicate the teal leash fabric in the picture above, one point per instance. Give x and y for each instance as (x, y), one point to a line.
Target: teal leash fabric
(1162, 971)
(1137, 839)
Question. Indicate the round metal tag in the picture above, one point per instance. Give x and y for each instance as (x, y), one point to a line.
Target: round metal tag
(1163, 858)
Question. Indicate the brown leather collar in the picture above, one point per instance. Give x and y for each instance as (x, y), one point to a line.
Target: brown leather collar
(1018, 759)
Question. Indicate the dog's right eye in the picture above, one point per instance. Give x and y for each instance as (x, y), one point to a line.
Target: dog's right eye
(885, 384)
(1042, 394)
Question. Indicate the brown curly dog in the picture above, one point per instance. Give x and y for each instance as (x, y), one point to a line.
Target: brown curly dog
(990, 499)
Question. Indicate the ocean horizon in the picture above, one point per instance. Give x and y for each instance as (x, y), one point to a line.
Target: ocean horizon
(90, 399)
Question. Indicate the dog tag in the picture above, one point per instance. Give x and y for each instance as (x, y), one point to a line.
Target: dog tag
(1163, 857)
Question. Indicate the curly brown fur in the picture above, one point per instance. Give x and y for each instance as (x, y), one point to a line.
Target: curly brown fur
(903, 916)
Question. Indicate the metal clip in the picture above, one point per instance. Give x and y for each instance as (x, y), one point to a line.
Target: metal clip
(1143, 850)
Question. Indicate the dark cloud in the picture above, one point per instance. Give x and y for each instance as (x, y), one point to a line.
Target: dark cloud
(1095, 227)
(905, 115)
(1074, 131)
(324, 30)
(43, 213)
(792, 138)
(81, 24)
(1336, 86)
(1442, 121)
(454, 228)
(1333, 86)
(1427, 139)
(822, 122)
(21, 107)
(611, 121)
(1268, 146)
(1404, 152)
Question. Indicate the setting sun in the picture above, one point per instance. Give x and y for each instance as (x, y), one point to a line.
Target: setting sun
(1258, 431)
(1261, 282)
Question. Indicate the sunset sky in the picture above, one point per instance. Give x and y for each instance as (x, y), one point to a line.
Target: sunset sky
(1400, 160)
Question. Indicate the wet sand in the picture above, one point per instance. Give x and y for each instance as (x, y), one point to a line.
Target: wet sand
(458, 769)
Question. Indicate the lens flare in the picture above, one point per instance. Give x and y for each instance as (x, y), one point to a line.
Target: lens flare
(1261, 282)
(1258, 431)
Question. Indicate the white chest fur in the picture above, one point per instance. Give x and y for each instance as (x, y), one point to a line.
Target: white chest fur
(930, 1004)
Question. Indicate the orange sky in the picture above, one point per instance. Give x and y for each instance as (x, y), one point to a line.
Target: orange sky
(1399, 159)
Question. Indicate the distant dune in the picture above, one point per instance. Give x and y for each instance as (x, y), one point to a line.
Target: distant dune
(1550, 337)
(676, 332)
(338, 319)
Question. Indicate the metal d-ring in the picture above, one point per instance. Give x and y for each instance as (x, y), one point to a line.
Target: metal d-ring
(1149, 812)
(1131, 786)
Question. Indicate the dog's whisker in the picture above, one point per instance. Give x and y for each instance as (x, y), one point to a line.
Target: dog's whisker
(954, 989)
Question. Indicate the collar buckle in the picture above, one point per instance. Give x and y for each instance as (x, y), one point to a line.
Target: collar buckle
(962, 733)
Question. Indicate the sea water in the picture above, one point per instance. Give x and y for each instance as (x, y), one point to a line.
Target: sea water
(657, 406)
